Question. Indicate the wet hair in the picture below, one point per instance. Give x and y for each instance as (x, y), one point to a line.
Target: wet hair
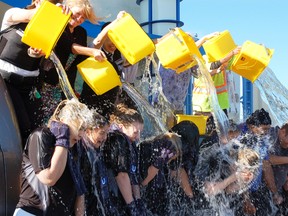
(71, 110)
(172, 137)
(126, 116)
(285, 127)
(233, 126)
(248, 157)
(176, 142)
(87, 9)
(259, 117)
(189, 135)
(188, 132)
(97, 120)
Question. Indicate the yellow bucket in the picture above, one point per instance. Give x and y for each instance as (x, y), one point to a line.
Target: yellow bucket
(198, 120)
(100, 76)
(45, 28)
(130, 39)
(176, 51)
(218, 47)
(252, 60)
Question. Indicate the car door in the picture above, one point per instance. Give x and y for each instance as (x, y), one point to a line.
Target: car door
(10, 154)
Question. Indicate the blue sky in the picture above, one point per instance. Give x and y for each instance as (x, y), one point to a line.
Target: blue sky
(260, 21)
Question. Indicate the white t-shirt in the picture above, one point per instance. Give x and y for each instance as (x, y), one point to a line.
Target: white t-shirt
(6, 66)
(7, 21)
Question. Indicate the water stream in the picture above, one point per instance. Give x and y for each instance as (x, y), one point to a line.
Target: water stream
(274, 94)
(63, 79)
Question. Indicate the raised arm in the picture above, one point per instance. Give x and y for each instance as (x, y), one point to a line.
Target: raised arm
(101, 37)
(205, 38)
(51, 175)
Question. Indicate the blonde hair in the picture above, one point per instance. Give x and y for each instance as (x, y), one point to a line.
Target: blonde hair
(71, 110)
(176, 141)
(248, 157)
(172, 137)
(126, 116)
(87, 8)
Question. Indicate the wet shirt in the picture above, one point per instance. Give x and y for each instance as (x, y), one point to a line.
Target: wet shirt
(35, 197)
(148, 153)
(95, 175)
(121, 156)
(260, 144)
(280, 171)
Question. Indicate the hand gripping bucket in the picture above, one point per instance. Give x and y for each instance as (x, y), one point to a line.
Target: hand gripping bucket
(100, 76)
(130, 39)
(252, 60)
(45, 27)
(176, 51)
(218, 47)
(198, 120)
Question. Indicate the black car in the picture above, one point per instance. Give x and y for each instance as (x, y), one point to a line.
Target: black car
(10, 154)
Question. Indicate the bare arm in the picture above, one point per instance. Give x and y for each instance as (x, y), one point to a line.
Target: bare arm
(51, 175)
(269, 176)
(124, 185)
(214, 188)
(270, 182)
(184, 182)
(230, 55)
(101, 37)
(136, 191)
(87, 51)
(205, 38)
(278, 160)
(21, 15)
(152, 172)
(80, 206)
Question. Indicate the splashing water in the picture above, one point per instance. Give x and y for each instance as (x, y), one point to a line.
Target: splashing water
(63, 79)
(155, 124)
(154, 86)
(221, 120)
(274, 94)
(156, 112)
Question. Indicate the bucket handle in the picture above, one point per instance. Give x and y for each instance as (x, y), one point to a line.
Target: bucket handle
(182, 67)
(268, 52)
(172, 32)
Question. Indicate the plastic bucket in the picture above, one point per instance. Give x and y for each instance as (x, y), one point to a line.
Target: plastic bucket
(199, 120)
(130, 39)
(218, 47)
(100, 76)
(252, 60)
(45, 27)
(176, 51)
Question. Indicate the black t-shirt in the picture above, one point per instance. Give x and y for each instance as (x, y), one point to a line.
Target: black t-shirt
(63, 49)
(105, 103)
(35, 197)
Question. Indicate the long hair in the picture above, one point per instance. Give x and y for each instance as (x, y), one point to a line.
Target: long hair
(87, 9)
(71, 110)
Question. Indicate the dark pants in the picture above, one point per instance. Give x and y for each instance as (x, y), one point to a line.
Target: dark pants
(26, 105)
